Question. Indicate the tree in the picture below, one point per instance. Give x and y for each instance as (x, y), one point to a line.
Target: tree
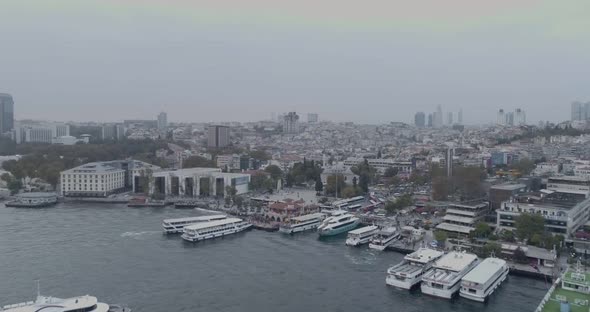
(519, 256)
(364, 183)
(491, 248)
(260, 155)
(319, 186)
(275, 172)
(508, 236)
(198, 162)
(350, 191)
(525, 166)
(335, 184)
(239, 201)
(440, 236)
(289, 180)
(440, 188)
(391, 172)
(528, 225)
(230, 191)
(481, 230)
(379, 155)
(354, 182)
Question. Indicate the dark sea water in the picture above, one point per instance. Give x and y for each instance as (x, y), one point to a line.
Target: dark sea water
(120, 255)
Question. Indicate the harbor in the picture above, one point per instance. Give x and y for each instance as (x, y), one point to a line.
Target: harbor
(128, 245)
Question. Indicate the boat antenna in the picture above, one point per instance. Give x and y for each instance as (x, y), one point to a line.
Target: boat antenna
(37, 281)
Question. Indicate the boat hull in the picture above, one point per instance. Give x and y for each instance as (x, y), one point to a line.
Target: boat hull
(294, 230)
(194, 239)
(440, 293)
(477, 298)
(405, 285)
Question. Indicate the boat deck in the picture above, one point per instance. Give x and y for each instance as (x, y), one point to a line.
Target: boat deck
(407, 269)
(440, 276)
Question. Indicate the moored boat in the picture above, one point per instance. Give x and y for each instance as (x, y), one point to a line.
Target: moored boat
(361, 236)
(176, 226)
(218, 228)
(484, 279)
(408, 273)
(302, 223)
(384, 237)
(340, 222)
(444, 278)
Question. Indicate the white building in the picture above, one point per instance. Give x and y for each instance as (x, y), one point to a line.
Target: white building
(312, 118)
(404, 167)
(40, 132)
(461, 218)
(100, 179)
(291, 123)
(570, 185)
(163, 122)
(546, 168)
(218, 136)
(194, 182)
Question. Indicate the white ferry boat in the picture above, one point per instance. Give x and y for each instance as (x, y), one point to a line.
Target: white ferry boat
(482, 281)
(340, 222)
(408, 273)
(361, 236)
(176, 226)
(384, 238)
(213, 229)
(302, 223)
(444, 278)
(83, 303)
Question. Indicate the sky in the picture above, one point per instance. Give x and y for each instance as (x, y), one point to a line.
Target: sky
(370, 61)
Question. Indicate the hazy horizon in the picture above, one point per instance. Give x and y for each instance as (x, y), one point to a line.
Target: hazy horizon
(373, 61)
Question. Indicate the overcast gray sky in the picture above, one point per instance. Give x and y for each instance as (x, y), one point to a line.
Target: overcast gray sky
(363, 61)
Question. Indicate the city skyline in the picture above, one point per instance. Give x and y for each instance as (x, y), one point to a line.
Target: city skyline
(366, 65)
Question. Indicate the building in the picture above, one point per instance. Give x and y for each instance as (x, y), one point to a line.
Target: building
(509, 119)
(194, 182)
(564, 213)
(430, 121)
(312, 118)
(520, 117)
(40, 132)
(404, 167)
(291, 123)
(100, 179)
(228, 161)
(420, 120)
(503, 192)
(578, 185)
(501, 119)
(218, 136)
(163, 122)
(460, 117)
(578, 111)
(450, 118)
(449, 156)
(437, 118)
(6, 113)
(112, 132)
(461, 218)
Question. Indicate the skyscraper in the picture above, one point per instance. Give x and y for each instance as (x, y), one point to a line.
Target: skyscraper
(6, 113)
(501, 118)
(438, 117)
(520, 117)
(291, 123)
(312, 118)
(450, 118)
(460, 116)
(578, 111)
(429, 124)
(420, 119)
(509, 119)
(163, 122)
(218, 136)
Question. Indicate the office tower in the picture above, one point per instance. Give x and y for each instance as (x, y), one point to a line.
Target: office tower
(520, 117)
(429, 124)
(449, 161)
(438, 117)
(163, 122)
(460, 116)
(291, 123)
(6, 113)
(501, 118)
(510, 119)
(218, 136)
(312, 118)
(420, 119)
(578, 111)
(450, 118)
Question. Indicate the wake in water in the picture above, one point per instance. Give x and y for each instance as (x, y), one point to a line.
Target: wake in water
(139, 235)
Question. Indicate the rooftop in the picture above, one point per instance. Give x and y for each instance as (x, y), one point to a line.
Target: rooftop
(424, 255)
(485, 270)
(364, 229)
(455, 261)
(508, 187)
(204, 225)
(560, 294)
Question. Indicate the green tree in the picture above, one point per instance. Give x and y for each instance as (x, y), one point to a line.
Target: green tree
(528, 225)
(391, 172)
(481, 230)
(491, 248)
(525, 166)
(198, 162)
(335, 183)
(440, 236)
(319, 186)
(519, 256)
(275, 172)
(239, 201)
(230, 191)
(508, 236)
(260, 155)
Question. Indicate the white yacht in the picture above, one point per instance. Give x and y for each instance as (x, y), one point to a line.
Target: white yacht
(176, 226)
(482, 281)
(408, 273)
(340, 222)
(361, 236)
(444, 278)
(218, 228)
(302, 223)
(51, 304)
(384, 238)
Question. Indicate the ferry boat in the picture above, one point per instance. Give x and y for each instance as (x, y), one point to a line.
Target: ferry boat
(302, 223)
(444, 278)
(408, 273)
(83, 303)
(340, 222)
(176, 226)
(212, 229)
(361, 236)
(384, 238)
(482, 281)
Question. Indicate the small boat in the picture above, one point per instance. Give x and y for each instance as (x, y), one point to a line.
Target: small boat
(340, 222)
(218, 228)
(443, 280)
(482, 281)
(408, 273)
(176, 226)
(384, 237)
(302, 223)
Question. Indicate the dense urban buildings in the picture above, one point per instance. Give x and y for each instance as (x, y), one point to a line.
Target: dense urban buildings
(516, 118)
(6, 113)
(40, 132)
(218, 136)
(194, 182)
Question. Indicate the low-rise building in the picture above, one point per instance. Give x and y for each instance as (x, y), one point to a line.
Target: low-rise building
(382, 164)
(462, 217)
(503, 192)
